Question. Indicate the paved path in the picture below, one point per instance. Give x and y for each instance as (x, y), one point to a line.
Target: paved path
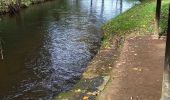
(138, 72)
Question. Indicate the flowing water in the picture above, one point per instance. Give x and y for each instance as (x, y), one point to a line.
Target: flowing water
(47, 47)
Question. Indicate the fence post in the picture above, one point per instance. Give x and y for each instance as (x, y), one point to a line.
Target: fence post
(166, 74)
(158, 12)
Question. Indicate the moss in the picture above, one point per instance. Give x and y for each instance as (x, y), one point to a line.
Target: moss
(83, 88)
(65, 95)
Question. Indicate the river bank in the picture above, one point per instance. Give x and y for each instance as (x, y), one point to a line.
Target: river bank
(96, 75)
(15, 6)
(141, 22)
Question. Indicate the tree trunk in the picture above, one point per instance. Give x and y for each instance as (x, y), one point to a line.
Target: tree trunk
(121, 6)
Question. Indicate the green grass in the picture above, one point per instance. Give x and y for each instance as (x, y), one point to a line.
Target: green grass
(139, 19)
(164, 17)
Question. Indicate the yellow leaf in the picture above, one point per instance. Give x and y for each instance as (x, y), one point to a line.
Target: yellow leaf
(144, 25)
(78, 90)
(85, 98)
(135, 68)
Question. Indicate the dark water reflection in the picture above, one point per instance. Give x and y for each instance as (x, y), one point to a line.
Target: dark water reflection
(47, 47)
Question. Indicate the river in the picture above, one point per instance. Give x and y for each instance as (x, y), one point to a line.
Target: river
(46, 47)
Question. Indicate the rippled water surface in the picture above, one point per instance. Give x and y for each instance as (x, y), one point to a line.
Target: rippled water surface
(48, 46)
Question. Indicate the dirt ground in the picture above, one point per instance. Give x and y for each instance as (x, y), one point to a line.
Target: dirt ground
(137, 74)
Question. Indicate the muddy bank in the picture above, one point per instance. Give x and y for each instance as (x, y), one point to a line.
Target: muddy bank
(97, 74)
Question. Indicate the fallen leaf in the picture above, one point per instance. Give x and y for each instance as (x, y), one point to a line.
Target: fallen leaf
(132, 51)
(89, 93)
(144, 25)
(78, 90)
(140, 70)
(119, 64)
(135, 54)
(103, 68)
(123, 62)
(85, 98)
(137, 69)
(131, 98)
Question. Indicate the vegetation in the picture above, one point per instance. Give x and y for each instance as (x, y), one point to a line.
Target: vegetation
(164, 17)
(140, 20)
(5, 4)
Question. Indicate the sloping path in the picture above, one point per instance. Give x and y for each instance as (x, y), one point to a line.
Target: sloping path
(138, 72)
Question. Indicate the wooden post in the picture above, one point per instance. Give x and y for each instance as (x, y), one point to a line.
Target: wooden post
(166, 75)
(158, 11)
(1, 49)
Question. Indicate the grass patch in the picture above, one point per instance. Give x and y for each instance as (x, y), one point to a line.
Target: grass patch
(164, 17)
(139, 19)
